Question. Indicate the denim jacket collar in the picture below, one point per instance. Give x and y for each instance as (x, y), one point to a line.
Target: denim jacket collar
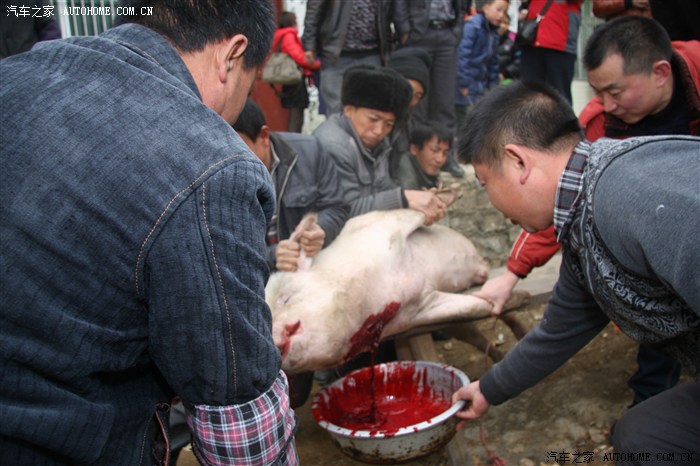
(152, 45)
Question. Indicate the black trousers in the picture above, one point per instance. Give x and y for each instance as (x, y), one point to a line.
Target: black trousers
(548, 66)
(664, 429)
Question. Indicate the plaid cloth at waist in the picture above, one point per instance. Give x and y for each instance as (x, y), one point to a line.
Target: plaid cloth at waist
(257, 433)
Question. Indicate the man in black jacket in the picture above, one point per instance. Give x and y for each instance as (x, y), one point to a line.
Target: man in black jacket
(305, 181)
(348, 33)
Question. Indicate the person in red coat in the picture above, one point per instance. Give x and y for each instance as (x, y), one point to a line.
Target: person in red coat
(609, 9)
(295, 98)
(552, 57)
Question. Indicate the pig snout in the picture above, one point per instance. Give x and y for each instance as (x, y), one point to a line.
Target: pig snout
(282, 336)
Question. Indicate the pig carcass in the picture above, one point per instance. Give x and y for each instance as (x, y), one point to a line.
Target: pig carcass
(384, 274)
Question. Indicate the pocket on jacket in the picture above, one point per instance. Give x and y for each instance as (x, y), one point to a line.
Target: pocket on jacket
(303, 197)
(158, 437)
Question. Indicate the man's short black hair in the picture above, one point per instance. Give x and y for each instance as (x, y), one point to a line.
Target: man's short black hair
(640, 41)
(529, 114)
(421, 134)
(250, 121)
(192, 24)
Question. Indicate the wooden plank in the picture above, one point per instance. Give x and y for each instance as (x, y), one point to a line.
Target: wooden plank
(403, 349)
(423, 347)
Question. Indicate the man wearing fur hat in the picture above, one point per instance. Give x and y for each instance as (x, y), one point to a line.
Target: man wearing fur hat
(374, 100)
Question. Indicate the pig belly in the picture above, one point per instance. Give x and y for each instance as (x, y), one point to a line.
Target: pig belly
(448, 258)
(380, 261)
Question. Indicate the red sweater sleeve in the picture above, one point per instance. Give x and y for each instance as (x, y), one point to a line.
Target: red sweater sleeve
(532, 250)
(291, 45)
(592, 119)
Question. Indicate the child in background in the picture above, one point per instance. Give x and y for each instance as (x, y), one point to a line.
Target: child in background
(508, 54)
(477, 54)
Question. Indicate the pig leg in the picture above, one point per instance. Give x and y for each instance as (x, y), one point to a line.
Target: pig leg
(439, 307)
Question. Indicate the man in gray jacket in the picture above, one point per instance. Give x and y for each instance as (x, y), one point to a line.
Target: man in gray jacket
(614, 206)
(373, 99)
(305, 181)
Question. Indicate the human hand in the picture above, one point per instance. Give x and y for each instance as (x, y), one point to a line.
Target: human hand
(427, 202)
(498, 290)
(310, 57)
(312, 240)
(287, 255)
(464, 91)
(476, 403)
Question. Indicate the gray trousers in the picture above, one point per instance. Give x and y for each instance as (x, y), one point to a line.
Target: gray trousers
(332, 78)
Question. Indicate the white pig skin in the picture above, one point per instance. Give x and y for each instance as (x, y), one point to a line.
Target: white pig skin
(378, 258)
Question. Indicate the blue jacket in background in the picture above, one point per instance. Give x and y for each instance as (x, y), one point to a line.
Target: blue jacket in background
(477, 59)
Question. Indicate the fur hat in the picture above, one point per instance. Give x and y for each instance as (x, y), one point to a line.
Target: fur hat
(412, 63)
(380, 89)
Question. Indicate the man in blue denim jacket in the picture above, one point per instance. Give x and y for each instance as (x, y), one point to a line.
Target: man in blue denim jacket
(133, 244)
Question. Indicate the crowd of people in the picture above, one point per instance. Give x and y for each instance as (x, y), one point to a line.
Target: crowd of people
(148, 200)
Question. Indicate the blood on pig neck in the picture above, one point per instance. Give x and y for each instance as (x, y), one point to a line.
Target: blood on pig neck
(369, 335)
(368, 339)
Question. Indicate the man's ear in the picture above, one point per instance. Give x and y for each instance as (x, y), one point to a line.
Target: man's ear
(661, 71)
(413, 149)
(264, 136)
(517, 157)
(229, 53)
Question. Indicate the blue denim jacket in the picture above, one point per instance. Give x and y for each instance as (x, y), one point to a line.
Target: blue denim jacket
(132, 251)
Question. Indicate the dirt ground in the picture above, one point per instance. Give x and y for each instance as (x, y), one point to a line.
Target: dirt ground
(566, 417)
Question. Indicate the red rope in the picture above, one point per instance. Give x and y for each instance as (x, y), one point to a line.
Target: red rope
(495, 459)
